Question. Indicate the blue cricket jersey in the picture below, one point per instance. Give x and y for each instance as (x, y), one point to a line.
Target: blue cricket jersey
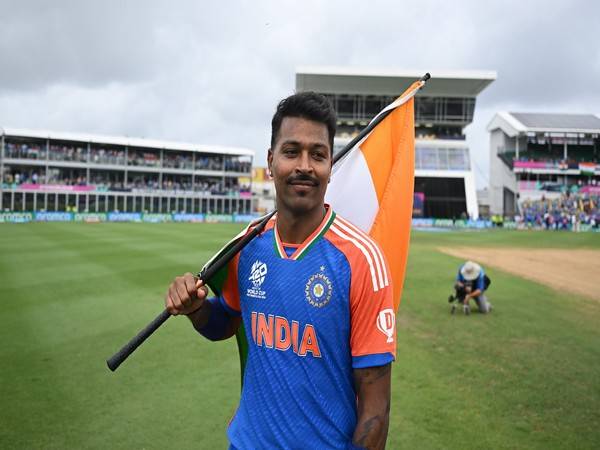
(312, 313)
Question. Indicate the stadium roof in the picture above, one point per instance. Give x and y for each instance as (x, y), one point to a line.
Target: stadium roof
(517, 123)
(123, 141)
(372, 81)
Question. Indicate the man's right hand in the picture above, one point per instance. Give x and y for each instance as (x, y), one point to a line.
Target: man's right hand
(186, 294)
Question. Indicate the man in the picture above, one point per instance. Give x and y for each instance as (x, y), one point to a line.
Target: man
(471, 283)
(314, 296)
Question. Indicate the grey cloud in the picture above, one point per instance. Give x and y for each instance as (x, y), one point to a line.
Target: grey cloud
(212, 73)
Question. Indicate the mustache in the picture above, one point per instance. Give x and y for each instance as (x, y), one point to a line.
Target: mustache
(302, 178)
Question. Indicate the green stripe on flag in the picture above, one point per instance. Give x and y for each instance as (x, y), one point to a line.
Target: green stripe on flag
(242, 342)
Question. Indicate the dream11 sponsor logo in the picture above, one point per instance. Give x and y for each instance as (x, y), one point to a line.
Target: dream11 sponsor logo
(258, 272)
(386, 322)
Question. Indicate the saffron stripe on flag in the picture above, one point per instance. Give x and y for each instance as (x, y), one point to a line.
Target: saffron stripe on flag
(372, 187)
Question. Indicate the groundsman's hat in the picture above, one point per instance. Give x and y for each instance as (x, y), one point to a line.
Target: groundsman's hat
(470, 270)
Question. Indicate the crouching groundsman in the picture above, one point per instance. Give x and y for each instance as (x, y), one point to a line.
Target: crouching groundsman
(320, 325)
(471, 283)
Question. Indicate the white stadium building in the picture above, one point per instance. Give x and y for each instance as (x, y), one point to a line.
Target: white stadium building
(536, 155)
(57, 171)
(444, 176)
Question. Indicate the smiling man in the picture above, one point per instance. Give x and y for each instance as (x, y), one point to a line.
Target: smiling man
(313, 293)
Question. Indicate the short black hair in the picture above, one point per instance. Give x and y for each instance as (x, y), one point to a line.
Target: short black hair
(306, 105)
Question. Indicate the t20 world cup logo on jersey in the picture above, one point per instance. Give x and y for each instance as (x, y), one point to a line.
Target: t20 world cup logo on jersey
(386, 322)
(258, 272)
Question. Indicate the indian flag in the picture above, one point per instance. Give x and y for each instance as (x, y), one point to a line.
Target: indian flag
(373, 185)
(587, 168)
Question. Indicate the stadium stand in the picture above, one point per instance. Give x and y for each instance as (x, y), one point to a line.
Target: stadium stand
(568, 212)
(50, 171)
(444, 176)
(535, 156)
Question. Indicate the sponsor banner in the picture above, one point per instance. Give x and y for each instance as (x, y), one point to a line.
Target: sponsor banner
(422, 223)
(244, 218)
(510, 225)
(443, 223)
(186, 217)
(157, 218)
(16, 217)
(585, 168)
(216, 218)
(124, 217)
(53, 217)
(449, 223)
(57, 187)
(479, 224)
(533, 165)
(90, 217)
(590, 189)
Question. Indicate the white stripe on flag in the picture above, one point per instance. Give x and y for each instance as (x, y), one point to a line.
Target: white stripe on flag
(341, 234)
(373, 244)
(369, 245)
(351, 192)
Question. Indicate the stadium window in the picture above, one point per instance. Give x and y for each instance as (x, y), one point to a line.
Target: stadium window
(373, 105)
(425, 108)
(428, 158)
(345, 106)
(458, 159)
(92, 203)
(454, 109)
(62, 200)
(39, 202)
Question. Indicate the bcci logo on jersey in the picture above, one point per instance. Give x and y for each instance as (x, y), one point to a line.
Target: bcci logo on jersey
(258, 273)
(318, 290)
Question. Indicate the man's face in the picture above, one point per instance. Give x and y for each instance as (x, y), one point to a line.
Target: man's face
(300, 164)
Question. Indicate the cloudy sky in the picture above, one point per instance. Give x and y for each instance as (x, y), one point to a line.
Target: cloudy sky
(212, 73)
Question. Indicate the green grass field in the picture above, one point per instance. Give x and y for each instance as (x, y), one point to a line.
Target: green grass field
(525, 377)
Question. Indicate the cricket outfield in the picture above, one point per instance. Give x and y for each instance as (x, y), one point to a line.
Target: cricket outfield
(525, 376)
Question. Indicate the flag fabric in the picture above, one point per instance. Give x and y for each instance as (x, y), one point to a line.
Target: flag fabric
(373, 185)
(587, 168)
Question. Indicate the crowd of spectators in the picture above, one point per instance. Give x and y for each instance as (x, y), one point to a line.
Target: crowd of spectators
(67, 153)
(235, 165)
(145, 159)
(568, 212)
(204, 162)
(107, 156)
(25, 151)
(133, 157)
(173, 160)
(135, 183)
(14, 178)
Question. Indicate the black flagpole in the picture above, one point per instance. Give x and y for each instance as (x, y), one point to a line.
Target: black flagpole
(115, 361)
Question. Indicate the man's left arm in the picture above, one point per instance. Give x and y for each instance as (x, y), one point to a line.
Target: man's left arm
(478, 288)
(373, 388)
(373, 349)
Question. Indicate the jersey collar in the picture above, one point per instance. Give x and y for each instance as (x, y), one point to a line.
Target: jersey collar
(308, 242)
